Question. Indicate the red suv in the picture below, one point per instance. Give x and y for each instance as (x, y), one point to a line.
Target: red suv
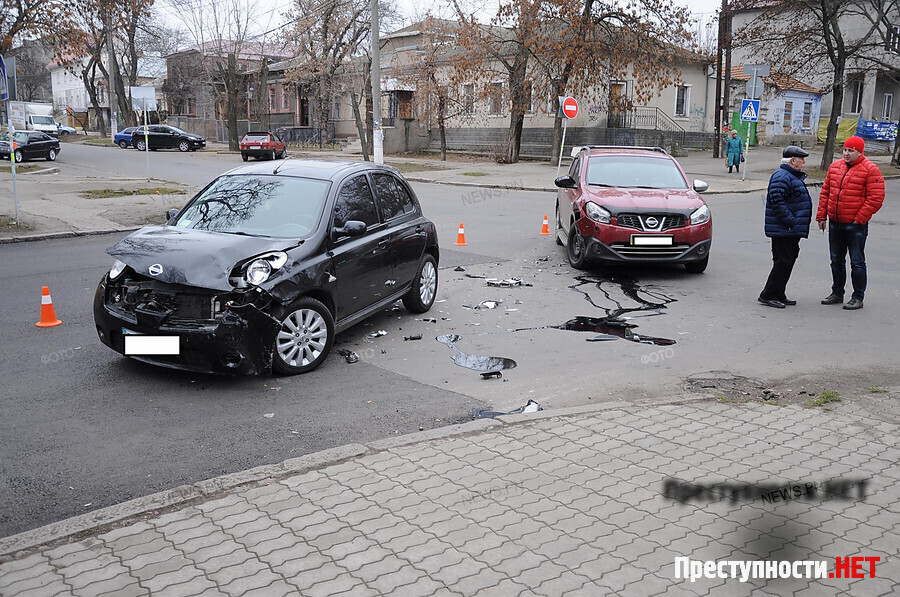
(262, 145)
(631, 204)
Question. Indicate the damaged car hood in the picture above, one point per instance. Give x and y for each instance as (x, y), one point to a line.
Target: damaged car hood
(633, 198)
(190, 257)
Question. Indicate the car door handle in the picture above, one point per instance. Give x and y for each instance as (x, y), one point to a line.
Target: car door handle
(384, 243)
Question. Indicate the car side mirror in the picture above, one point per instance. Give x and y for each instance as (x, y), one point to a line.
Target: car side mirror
(351, 228)
(566, 182)
(700, 186)
(171, 213)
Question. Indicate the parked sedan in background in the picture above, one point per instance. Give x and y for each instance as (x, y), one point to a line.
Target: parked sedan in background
(30, 145)
(123, 137)
(262, 145)
(163, 136)
(631, 204)
(261, 269)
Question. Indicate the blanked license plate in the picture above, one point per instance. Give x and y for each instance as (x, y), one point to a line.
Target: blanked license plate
(137, 344)
(656, 240)
(254, 147)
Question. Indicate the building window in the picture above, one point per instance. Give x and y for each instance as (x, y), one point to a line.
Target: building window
(495, 98)
(468, 92)
(336, 108)
(285, 99)
(887, 108)
(529, 97)
(807, 115)
(271, 99)
(788, 112)
(856, 95)
(893, 39)
(682, 100)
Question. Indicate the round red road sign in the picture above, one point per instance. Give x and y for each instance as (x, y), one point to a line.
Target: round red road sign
(570, 107)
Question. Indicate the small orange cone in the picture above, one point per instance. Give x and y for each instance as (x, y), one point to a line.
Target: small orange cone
(545, 229)
(461, 237)
(48, 315)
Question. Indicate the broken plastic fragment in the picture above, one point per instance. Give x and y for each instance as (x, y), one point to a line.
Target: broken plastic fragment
(507, 283)
(475, 362)
(349, 355)
(376, 334)
(269, 415)
(490, 374)
(459, 268)
(477, 277)
(488, 304)
(428, 319)
(530, 407)
(602, 338)
(413, 337)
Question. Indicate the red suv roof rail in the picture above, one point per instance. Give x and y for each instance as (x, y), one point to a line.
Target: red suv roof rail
(656, 149)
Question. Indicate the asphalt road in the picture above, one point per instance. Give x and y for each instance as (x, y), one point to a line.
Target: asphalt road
(83, 428)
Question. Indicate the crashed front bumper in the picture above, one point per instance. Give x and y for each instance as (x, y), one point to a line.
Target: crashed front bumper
(239, 340)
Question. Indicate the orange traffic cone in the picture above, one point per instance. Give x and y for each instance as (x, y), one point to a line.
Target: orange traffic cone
(545, 229)
(48, 315)
(461, 237)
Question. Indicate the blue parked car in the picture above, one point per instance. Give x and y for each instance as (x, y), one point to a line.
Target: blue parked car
(123, 137)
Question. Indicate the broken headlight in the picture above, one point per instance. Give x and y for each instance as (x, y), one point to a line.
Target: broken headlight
(258, 271)
(116, 270)
(597, 213)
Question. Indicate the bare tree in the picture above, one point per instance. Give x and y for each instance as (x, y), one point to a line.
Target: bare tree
(221, 32)
(829, 40)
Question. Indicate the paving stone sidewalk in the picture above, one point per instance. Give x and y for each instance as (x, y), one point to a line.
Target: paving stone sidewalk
(547, 504)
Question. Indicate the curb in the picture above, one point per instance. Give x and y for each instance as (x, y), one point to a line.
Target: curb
(68, 234)
(103, 519)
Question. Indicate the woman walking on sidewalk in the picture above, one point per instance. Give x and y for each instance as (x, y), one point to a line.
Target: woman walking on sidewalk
(733, 152)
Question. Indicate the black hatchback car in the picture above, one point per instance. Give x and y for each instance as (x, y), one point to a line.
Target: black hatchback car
(30, 145)
(265, 265)
(162, 136)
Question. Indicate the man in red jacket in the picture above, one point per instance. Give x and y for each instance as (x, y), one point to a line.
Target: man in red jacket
(853, 191)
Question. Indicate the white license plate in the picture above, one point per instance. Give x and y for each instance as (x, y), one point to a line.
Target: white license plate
(254, 147)
(139, 344)
(656, 240)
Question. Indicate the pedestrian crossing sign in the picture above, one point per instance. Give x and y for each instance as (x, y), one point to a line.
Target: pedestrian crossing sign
(749, 110)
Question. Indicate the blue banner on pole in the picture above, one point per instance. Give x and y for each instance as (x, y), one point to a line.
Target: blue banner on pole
(4, 82)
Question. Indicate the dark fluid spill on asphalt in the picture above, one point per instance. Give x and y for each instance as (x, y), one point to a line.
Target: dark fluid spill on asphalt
(475, 362)
(649, 303)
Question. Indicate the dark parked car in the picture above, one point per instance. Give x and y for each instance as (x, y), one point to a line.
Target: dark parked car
(264, 266)
(30, 145)
(162, 136)
(631, 204)
(262, 145)
(123, 137)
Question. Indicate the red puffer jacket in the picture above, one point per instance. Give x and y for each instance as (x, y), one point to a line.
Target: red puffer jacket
(851, 193)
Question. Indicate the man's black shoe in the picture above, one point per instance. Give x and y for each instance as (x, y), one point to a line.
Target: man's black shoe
(854, 304)
(832, 299)
(771, 303)
(788, 302)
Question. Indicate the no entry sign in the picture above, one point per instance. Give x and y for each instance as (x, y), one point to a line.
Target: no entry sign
(569, 106)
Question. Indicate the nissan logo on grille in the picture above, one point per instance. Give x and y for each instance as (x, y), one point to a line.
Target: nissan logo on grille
(652, 222)
(155, 269)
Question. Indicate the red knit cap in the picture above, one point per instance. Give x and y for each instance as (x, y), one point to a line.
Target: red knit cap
(855, 143)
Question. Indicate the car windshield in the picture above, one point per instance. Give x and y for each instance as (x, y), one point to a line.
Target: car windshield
(43, 120)
(258, 205)
(175, 129)
(634, 171)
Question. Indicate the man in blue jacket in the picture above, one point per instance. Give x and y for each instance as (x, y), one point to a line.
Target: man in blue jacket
(788, 214)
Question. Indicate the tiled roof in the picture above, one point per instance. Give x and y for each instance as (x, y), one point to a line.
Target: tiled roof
(777, 79)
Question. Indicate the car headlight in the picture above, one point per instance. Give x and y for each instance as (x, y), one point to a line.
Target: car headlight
(116, 270)
(700, 216)
(259, 270)
(597, 213)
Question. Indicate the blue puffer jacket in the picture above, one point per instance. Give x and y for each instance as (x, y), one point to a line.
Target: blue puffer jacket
(788, 204)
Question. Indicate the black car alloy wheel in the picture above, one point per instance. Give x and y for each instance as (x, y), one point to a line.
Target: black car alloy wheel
(141, 145)
(424, 287)
(557, 234)
(184, 146)
(576, 248)
(51, 155)
(20, 157)
(305, 337)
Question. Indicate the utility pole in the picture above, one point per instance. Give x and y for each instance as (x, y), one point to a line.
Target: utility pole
(377, 129)
(717, 142)
(726, 82)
